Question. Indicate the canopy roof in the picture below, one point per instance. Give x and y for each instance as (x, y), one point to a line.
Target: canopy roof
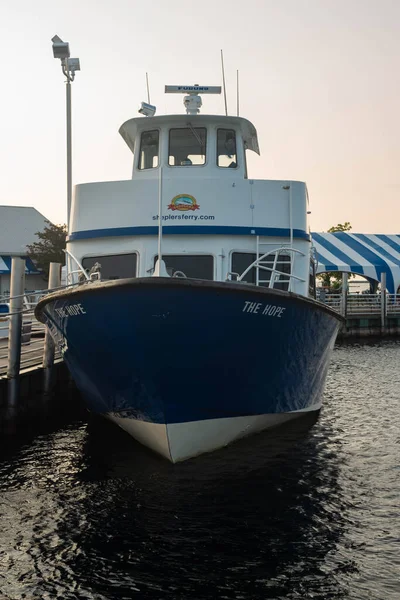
(5, 266)
(368, 255)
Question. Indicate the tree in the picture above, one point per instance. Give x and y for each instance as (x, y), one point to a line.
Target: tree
(333, 279)
(340, 227)
(49, 248)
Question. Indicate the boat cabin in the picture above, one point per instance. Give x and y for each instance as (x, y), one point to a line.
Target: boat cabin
(212, 145)
(191, 199)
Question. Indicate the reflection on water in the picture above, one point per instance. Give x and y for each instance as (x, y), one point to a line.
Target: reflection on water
(294, 513)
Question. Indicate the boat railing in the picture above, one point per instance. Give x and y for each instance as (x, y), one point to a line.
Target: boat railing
(276, 275)
(80, 271)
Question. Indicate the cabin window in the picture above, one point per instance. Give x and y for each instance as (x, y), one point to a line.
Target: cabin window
(187, 147)
(196, 266)
(116, 266)
(242, 260)
(148, 155)
(226, 148)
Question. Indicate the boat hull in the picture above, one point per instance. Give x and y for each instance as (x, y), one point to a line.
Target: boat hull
(189, 366)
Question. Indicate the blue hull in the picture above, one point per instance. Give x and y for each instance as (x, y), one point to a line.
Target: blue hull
(177, 351)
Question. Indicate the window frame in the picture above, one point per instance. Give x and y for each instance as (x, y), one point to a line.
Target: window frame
(213, 256)
(206, 149)
(312, 279)
(139, 168)
(236, 149)
(99, 256)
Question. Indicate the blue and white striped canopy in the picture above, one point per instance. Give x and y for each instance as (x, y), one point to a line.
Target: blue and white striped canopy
(5, 266)
(369, 255)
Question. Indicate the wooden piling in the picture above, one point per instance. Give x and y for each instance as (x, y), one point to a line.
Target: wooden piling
(15, 331)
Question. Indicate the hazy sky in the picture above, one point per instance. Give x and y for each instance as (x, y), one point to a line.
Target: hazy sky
(320, 80)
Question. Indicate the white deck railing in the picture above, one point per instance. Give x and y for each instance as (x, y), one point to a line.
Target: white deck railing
(359, 305)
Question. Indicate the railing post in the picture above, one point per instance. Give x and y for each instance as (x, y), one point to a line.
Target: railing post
(345, 285)
(15, 330)
(49, 348)
(383, 300)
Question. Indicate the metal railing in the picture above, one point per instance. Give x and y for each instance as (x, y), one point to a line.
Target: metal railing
(334, 301)
(359, 305)
(393, 304)
(81, 275)
(73, 275)
(276, 276)
(24, 341)
(32, 339)
(363, 304)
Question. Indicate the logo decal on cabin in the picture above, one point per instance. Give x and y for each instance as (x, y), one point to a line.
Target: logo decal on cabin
(183, 202)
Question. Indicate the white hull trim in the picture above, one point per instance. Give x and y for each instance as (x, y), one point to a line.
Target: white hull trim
(180, 441)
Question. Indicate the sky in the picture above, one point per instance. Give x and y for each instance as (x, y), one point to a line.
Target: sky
(320, 80)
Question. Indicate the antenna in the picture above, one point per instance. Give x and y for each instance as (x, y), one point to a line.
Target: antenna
(223, 81)
(237, 92)
(148, 89)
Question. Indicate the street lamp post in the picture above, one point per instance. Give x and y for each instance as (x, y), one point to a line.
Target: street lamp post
(69, 67)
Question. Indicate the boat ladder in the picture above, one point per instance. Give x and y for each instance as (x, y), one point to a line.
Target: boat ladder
(269, 261)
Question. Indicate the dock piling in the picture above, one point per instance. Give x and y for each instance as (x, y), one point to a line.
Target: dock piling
(383, 300)
(15, 331)
(345, 289)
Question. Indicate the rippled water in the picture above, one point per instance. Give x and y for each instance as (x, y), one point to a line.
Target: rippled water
(87, 513)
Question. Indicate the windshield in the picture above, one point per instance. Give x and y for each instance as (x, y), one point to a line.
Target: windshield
(187, 147)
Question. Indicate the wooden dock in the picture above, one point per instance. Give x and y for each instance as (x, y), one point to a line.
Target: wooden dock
(31, 354)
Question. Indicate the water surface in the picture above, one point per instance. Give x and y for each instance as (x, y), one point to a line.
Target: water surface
(296, 513)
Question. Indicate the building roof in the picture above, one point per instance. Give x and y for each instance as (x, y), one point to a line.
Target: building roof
(18, 226)
(369, 255)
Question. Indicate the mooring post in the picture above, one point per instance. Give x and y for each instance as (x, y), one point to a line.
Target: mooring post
(345, 287)
(15, 330)
(383, 300)
(49, 348)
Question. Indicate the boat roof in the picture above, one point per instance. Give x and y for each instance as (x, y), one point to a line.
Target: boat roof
(129, 129)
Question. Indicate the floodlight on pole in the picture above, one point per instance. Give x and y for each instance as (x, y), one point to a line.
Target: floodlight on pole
(69, 67)
(60, 48)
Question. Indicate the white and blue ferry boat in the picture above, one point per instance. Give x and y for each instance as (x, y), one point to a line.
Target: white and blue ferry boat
(192, 320)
